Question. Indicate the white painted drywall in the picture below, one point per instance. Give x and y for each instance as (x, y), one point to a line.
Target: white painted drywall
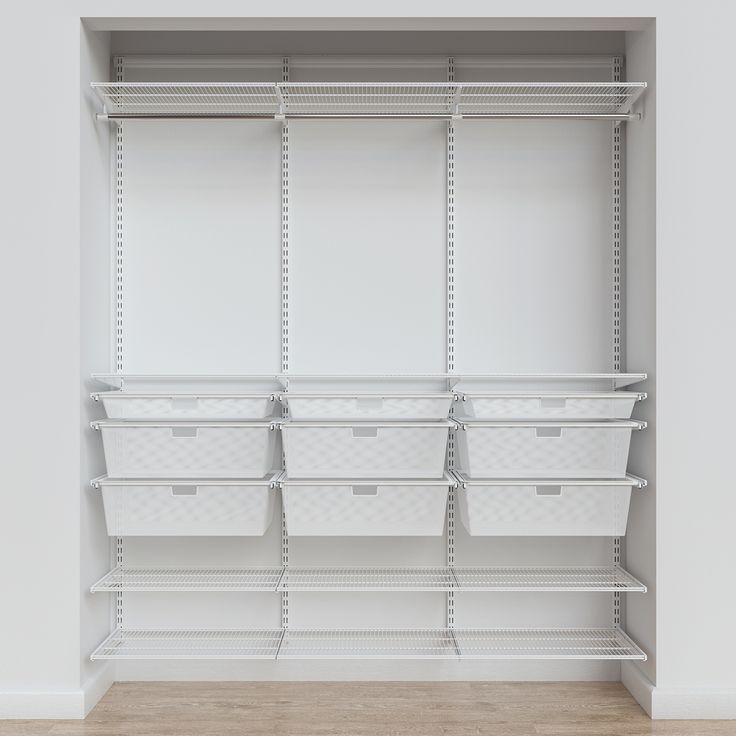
(97, 218)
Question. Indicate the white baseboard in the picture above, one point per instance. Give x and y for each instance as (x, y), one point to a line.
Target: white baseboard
(97, 685)
(56, 705)
(676, 703)
(42, 705)
(638, 684)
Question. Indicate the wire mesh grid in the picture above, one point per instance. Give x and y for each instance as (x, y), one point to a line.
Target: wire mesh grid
(346, 579)
(190, 644)
(367, 579)
(189, 98)
(367, 98)
(178, 579)
(548, 98)
(546, 644)
(592, 579)
(370, 644)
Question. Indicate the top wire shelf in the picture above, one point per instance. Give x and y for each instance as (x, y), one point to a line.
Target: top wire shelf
(592, 100)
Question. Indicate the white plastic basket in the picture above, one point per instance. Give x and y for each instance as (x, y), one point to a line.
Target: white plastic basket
(187, 508)
(123, 405)
(368, 406)
(563, 449)
(207, 449)
(546, 507)
(365, 449)
(365, 508)
(550, 405)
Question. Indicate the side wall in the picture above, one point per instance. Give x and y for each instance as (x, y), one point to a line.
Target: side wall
(696, 321)
(640, 327)
(97, 217)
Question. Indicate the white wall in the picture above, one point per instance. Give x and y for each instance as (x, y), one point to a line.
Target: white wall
(97, 220)
(41, 331)
(696, 321)
(40, 538)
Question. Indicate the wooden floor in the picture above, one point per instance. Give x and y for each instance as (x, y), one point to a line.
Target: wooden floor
(362, 709)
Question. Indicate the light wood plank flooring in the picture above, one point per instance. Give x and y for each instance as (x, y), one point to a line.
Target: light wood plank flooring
(363, 709)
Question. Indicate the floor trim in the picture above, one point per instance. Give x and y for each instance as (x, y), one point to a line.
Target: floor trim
(96, 686)
(44, 705)
(56, 704)
(678, 703)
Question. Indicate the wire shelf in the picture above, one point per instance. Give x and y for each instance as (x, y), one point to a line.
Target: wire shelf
(188, 580)
(143, 99)
(549, 579)
(346, 579)
(506, 99)
(369, 99)
(370, 644)
(356, 579)
(547, 644)
(190, 644)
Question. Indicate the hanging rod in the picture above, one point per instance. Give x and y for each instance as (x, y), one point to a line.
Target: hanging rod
(623, 117)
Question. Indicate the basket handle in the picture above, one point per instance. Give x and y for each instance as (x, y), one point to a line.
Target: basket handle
(548, 490)
(542, 432)
(369, 404)
(184, 490)
(556, 403)
(365, 490)
(365, 431)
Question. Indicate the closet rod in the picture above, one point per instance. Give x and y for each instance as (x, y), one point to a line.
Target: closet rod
(620, 117)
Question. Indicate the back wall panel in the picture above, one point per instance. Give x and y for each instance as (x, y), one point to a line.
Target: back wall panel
(202, 247)
(533, 250)
(367, 240)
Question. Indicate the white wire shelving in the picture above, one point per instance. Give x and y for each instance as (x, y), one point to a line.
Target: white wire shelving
(594, 100)
(190, 644)
(356, 579)
(139, 579)
(596, 644)
(352, 579)
(507, 383)
(547, 644)
(549, 579)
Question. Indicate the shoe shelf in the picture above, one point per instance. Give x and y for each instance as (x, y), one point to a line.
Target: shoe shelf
(599, 644)
(189, 644)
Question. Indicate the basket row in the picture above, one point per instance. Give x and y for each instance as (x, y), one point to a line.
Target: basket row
(359, 508)
(485, 449)
(371, 406)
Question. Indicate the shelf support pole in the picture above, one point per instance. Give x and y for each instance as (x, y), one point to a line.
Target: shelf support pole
(616, 224)
(284, 315)
(450, 552)
(119, 66)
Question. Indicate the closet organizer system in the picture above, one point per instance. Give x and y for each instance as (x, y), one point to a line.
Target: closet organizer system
(516, 455)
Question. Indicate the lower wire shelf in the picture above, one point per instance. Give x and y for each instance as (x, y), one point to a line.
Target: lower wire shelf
(190, 644)
(342, 579)
(607, 644)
